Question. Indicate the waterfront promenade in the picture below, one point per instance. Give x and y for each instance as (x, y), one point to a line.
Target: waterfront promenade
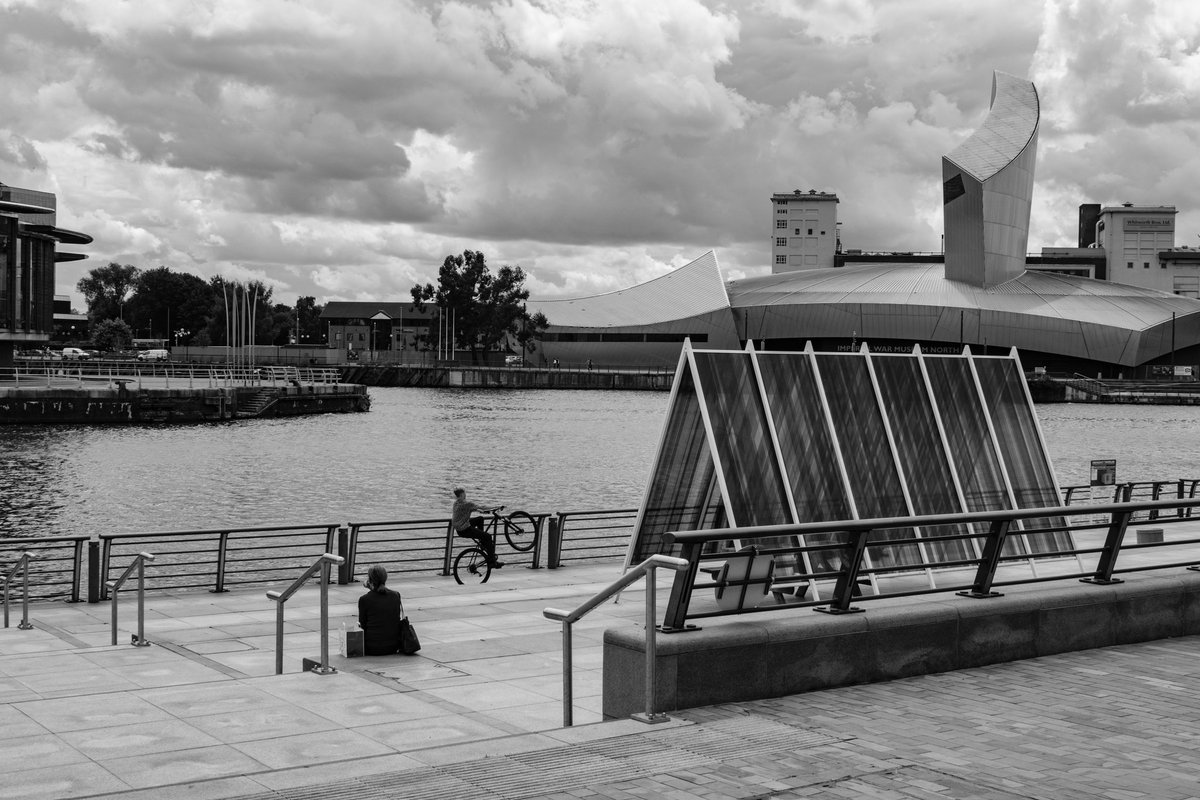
(200, 714)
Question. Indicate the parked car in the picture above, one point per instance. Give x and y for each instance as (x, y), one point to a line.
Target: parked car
(75, 354)
(154, 355)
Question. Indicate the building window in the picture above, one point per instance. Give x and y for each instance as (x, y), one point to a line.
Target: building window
(781, 223)
(781, 209)
(1162, 264)
(780, 259)
(810, 231)
(822, 233)
(1145, 265)
(781, 242)
(1129, 264)
(797, 231)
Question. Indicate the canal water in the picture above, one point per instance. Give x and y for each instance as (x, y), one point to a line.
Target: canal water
(544, 451)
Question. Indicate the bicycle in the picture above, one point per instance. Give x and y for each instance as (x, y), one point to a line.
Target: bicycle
(472, 565)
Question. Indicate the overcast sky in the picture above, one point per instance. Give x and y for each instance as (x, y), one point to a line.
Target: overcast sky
(342, 149)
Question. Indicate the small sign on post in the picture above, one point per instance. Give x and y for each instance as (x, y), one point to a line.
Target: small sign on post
(1104, 472)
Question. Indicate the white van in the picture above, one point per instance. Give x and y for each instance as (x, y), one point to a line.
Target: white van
(75, 354)
(154, 355)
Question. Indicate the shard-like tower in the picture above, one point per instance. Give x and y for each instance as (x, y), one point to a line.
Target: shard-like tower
(987, 188)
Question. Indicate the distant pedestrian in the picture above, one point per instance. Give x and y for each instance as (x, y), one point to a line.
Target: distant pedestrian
(589, 365)
(556, 363)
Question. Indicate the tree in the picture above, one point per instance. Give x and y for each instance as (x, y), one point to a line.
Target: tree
(164, 302)
(308, 320)
(485, 309)
(111, 335)
(106, 289)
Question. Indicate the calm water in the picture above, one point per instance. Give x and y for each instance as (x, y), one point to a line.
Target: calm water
(540, 450)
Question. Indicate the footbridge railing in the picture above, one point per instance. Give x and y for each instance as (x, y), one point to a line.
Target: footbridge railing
(857, 561)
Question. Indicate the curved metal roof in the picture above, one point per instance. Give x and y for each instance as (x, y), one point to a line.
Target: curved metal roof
(693, 289)
(61, 234)
(1010, 125)
(1039, 311)
(1037, 293)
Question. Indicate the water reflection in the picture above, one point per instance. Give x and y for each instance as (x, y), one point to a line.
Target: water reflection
(535, 449)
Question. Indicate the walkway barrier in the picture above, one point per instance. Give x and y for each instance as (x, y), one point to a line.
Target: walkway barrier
(844, 549)
(569, 618)
(21, 566)
(593, 535)
(229, 557)
(320, 565)
(138, 563)
(221, 558)
(57, 570)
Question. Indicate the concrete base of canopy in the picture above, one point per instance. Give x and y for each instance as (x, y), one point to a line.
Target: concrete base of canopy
(774, 654)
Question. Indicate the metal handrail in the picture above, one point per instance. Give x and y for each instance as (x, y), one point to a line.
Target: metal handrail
(322, 565)
(139, 563)
(568, 618)
(22, 563)
(998, 527)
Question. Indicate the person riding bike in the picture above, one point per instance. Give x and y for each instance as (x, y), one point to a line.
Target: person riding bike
(472, 527)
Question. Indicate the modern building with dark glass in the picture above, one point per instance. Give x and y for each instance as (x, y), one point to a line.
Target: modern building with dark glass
(29, 239)
(1123, 301)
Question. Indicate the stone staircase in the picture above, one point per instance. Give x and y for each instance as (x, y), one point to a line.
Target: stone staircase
(259, 402)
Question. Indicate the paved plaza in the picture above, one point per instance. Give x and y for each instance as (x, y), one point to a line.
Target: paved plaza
(201, 714)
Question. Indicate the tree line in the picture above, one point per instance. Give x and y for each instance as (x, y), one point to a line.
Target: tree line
(488, 311)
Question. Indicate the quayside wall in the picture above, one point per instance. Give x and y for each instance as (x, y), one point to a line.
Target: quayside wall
(791, 653)
(506, 377)
(125, 403)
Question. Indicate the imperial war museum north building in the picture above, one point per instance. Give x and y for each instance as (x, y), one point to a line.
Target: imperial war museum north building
(1122, 302)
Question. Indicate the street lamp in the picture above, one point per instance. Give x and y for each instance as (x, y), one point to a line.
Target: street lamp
(181, 334)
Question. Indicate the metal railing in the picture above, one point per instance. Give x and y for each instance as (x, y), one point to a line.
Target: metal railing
(320, 565)
(220, 558)
(21, 566)
(592, 535)
(1000, 536)
(224, 558)
(138, 563)
(46, 372)
(568, 618)
(58, 564)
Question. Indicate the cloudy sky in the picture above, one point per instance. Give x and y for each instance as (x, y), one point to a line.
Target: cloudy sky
(343, 149)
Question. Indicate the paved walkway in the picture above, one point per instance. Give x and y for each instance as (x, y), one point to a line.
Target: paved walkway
(200, 714)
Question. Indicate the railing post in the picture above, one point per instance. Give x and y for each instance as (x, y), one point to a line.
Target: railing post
(449, 554)
(222, 549)
(554, 543)
(650, 716)
(93, 588)
(77, 572)
(988, 562)
(343, 550)
(681, 591)
(1112, 548)
(140, 639)
(324, 668)
(22, 565)
(1156, 493)
(568, 688)
(843, 590)
(278, 636)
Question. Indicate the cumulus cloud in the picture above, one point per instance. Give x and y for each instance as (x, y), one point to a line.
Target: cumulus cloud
(344, 149)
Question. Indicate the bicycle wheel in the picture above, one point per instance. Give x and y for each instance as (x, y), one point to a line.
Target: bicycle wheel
(471, 566)
(519, 529)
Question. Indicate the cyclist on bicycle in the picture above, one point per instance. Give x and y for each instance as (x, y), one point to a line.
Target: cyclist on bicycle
(472, 527)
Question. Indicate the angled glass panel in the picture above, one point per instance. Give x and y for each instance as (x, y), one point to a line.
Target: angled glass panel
(964, 421)
(927, 472)
(804, 437)
(1028, 466)
(681, 489)
(741, 439)
(866, 452)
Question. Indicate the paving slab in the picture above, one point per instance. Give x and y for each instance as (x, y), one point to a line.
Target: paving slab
(201, 714)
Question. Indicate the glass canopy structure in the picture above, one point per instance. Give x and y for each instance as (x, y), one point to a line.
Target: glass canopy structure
(770, 438)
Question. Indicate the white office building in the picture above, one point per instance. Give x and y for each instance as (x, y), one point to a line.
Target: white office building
(805, 230)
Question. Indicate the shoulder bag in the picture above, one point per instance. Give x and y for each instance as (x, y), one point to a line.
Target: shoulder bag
(409, 643)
